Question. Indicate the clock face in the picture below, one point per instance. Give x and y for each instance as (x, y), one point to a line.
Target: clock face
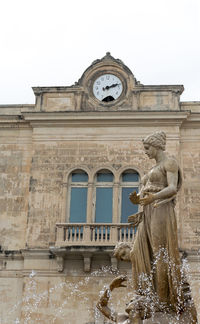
(107, 87)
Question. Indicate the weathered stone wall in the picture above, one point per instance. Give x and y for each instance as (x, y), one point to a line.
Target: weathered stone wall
(15, 163)
(11, 291)
(190, 211)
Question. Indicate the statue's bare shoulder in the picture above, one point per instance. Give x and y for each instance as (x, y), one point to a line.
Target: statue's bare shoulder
(171, 164)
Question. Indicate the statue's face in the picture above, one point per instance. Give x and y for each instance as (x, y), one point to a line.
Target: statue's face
(124, 254)
(150, 151)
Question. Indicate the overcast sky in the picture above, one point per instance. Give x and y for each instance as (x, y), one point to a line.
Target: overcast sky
(51, 43)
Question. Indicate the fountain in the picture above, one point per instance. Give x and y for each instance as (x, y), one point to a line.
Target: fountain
(161, 293)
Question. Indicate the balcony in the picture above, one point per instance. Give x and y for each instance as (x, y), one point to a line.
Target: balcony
(93, 234)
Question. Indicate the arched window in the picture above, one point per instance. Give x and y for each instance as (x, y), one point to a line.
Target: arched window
(129, 183)
(104, 197)
(78, 197)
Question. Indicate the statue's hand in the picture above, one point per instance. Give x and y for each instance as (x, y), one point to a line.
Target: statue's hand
(134, 198)
(135, 219)
(148, 199)
(118, 282)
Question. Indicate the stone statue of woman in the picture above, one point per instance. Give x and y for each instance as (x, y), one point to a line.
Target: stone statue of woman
(156, 265)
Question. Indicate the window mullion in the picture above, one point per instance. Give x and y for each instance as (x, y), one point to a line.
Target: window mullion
(115, 218)
(90, 200)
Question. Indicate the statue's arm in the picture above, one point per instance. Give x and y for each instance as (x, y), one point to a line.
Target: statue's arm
(102, 304)
(171, 168)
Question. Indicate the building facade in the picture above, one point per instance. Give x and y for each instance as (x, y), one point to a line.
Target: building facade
(68, 164)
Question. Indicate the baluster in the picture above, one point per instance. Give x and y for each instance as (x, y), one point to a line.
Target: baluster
(79, 233)
(120, 233)
(70, 233)
(125, 233)
(65, 233)
(74, 234)
(129, 234)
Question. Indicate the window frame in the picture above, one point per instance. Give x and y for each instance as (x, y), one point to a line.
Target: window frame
(75, 185)
(101, 185)
(117, 184)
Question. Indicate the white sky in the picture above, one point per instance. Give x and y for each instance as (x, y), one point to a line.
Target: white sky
(52, 42)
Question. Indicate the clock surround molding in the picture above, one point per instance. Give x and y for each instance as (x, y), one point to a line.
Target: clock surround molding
(107, 65)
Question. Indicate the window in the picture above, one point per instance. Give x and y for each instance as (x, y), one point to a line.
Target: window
(78, 197)
(129, 183)
(103, 201)
(104, 197)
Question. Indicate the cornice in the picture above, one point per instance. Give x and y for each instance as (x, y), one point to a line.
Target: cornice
(193, 121)
(77, 88)
(85, 119)
(62, 89)
(189, 103)
(35, 253)
(177, 88)
(13, 121)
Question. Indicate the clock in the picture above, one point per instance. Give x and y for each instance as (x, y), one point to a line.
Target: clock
(107, 87)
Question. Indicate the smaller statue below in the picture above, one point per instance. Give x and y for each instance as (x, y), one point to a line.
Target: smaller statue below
(132, 311)
(142, 308)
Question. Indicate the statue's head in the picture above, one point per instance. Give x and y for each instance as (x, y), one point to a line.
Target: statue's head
(153, 143)
(157, 140)
(122, 251)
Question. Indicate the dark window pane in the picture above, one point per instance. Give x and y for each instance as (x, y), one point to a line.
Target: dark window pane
(104, 177)
(78, 205)
(79, 177)
(127, 207)
(130, 177)
(104, 205)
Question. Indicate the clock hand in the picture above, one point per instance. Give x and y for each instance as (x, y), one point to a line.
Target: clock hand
(112, 86)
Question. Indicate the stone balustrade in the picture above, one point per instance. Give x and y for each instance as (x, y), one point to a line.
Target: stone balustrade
(93, 234)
